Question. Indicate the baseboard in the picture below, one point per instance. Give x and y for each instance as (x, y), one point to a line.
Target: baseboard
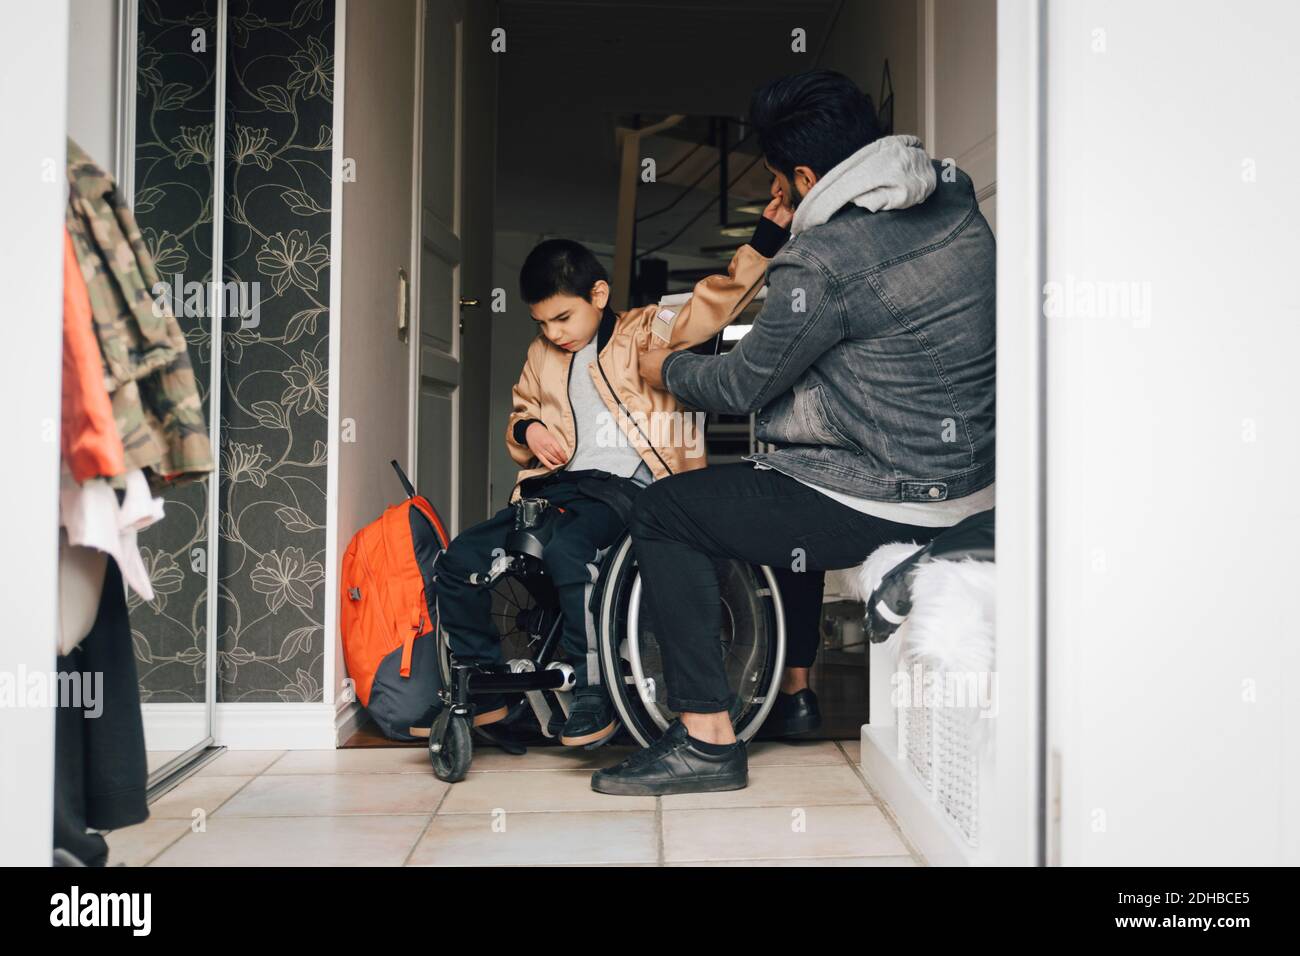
(271, 726)
(174, 727)
(916, 811)
(347, 721)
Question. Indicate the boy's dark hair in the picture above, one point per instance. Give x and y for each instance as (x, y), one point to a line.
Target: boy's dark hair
(816, 119)
(559, 267)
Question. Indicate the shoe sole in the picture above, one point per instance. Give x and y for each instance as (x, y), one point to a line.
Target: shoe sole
(590, 738)
(491, 717)
(788, 728)
(687, 785)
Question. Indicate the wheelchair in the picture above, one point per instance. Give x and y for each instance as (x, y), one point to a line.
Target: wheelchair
(538, 683)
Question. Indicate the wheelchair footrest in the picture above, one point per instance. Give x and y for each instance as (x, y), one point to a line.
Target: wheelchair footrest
(499, 682)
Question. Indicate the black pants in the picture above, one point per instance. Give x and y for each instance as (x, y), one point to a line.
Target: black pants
(100, 770)
(586, 527)
(682, 523)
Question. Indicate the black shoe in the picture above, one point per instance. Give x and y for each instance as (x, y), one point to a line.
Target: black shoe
(489, 709)
(792, 714)
(591, 719)
(672, 765)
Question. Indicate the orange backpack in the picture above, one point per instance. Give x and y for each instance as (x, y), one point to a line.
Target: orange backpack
(387, 608)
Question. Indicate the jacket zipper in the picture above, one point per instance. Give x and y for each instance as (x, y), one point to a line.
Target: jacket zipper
(629, 415)
(573, 414)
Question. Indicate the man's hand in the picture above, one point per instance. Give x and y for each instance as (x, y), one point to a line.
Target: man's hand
(545, 446)
(778, 210)
(652, 363)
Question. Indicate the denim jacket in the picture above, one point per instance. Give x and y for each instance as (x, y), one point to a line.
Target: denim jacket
(871, 365)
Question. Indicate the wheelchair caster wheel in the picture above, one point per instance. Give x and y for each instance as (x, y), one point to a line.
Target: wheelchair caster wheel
(451, 755)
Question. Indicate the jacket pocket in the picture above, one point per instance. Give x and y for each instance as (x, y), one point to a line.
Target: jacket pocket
(823, 420)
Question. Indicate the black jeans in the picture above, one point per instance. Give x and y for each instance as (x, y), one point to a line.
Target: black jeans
(683, 522)
(586, 527)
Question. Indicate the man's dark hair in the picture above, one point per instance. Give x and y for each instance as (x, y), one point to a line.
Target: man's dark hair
(559, 267)
(816, 119)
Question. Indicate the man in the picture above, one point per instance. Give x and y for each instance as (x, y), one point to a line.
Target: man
(871, 368)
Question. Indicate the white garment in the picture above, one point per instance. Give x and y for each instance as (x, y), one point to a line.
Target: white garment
(601, 444)
(94, 519)
(894, 172)
(924, 514)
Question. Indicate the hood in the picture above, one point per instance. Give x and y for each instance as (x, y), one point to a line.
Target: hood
(894, 172)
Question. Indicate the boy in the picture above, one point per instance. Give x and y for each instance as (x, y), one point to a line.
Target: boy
(582, 410)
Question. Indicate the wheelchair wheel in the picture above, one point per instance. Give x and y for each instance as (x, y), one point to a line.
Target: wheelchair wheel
(752, 638)
(451, 761)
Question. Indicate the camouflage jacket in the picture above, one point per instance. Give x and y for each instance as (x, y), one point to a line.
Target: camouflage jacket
(156, 402)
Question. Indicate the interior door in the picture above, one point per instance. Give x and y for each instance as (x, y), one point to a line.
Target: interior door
(435, 431)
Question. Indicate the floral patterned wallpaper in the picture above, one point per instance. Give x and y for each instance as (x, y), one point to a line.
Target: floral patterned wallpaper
(175, 109)
(272, 433)
(279, 99)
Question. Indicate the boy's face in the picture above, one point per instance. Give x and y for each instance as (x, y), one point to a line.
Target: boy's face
(570, 321)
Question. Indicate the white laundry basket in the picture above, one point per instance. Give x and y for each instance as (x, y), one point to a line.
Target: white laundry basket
(934, 763)
(938, 744)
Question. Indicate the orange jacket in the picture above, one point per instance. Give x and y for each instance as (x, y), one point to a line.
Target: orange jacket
(91, 445)
(666, 434)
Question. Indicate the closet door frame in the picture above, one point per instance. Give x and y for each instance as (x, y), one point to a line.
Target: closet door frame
(162, 777)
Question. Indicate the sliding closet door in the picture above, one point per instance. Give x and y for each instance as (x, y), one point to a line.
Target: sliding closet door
(176, 132)
(275, 356)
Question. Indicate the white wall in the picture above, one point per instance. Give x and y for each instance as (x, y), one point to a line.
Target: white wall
(1172, 431)
(33, 91)
(369, 363)
(868, 32)
(92, 79)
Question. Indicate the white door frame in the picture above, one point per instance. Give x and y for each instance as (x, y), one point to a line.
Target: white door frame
(33, 185)
(1020, 819)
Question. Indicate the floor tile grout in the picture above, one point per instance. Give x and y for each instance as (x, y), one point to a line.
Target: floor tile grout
(406, 861)
(659, 812)
(886, 809)
(208, 814)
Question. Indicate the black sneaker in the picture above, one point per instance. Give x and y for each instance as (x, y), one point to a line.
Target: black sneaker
(795, 713)
(672, 765)
(591, 719)
(489, 709)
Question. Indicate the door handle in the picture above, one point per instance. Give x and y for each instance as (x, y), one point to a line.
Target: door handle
(466, 302)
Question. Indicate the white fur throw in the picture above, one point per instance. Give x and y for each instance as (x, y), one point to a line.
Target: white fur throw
(951, 624)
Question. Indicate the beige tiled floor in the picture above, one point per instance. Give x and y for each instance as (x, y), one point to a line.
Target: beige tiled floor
(807, 804)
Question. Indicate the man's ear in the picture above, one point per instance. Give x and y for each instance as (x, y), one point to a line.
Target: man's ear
(600, 294)
(804, 179)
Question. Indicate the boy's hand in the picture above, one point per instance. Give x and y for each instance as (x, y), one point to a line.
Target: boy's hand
(545, 446)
